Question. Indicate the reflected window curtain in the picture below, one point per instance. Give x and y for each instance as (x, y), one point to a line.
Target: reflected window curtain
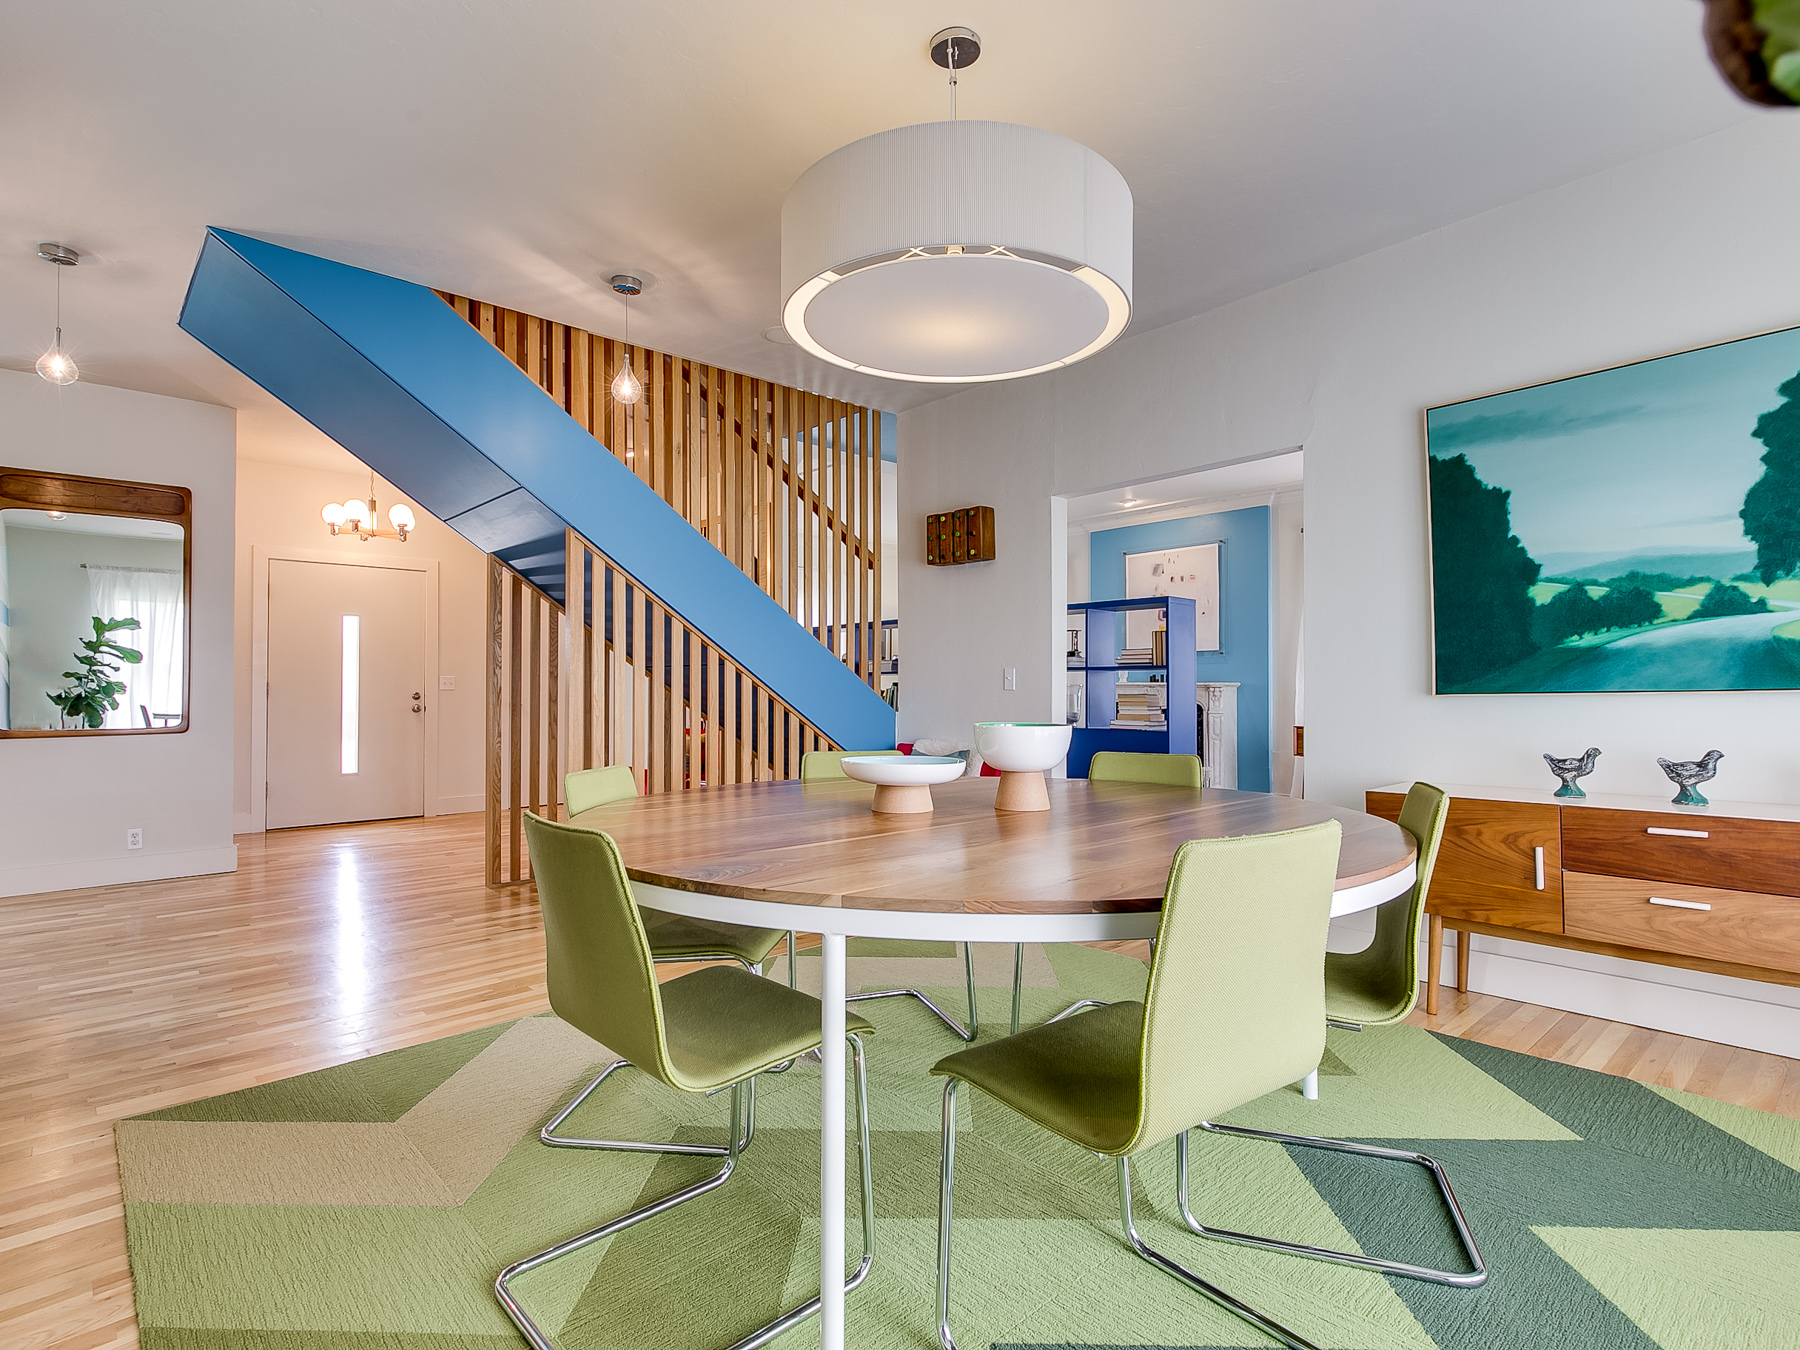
(153, 598)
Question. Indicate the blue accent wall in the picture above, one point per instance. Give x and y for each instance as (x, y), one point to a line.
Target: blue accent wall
(392, 373)
(1244, 606)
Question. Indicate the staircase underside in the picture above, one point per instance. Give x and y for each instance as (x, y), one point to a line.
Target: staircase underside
(390, 372)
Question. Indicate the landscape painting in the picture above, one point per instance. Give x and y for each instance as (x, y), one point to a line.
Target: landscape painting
(1630, 530)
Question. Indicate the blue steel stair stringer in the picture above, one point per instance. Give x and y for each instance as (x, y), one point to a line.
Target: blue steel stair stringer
(390, 372)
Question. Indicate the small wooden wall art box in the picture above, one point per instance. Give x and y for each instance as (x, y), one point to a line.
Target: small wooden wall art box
(961, 536)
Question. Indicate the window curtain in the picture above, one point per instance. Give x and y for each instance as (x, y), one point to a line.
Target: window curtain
(153, 598)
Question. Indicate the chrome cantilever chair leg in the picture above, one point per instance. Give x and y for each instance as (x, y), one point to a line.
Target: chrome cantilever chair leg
(967, 1033)
(1018, 982)
(1462, 1279)
(946, 1187)
(540, 1339)
(1268, 1325)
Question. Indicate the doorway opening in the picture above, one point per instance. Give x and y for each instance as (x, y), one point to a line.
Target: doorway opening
(1232, 535)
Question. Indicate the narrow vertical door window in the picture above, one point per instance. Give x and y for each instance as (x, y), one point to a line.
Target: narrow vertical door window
(352, 694)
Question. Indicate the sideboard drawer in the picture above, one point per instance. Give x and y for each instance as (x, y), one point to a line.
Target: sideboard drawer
(1748, 855)
(1745, 927)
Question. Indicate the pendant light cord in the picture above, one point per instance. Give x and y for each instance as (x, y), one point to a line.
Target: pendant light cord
(59, 273)
(950, 53)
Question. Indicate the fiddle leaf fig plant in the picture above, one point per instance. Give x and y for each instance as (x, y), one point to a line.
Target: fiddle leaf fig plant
(95, 692)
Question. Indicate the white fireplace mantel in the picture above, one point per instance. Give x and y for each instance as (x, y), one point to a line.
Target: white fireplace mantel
(1219, 739)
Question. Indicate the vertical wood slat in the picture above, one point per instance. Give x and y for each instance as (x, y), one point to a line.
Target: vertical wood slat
(580, 740)
(496, 626)
(875, 580)
(513, 783)
(534, 735)
(553, 726)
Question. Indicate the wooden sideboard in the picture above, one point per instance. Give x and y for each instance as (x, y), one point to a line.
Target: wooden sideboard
(1712, 888)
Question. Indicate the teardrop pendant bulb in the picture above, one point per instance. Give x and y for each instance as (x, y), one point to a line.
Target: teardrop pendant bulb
(626, 387)
(56, 365)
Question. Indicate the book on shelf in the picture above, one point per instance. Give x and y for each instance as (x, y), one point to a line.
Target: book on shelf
(1159, 647)
(1136, 656)
(1133, 724)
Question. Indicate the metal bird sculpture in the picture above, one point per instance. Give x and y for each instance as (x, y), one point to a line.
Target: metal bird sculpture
(1686, 773)
(1570, 769)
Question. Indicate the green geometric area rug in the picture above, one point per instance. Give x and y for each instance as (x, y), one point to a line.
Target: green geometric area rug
(371, 1205)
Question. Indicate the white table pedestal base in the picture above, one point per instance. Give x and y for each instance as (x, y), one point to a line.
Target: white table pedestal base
(831, 1145)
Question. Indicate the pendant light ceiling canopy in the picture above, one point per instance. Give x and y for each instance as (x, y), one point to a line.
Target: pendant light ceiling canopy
(955, 252)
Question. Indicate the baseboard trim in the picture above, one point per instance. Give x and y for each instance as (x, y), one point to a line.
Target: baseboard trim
(247, 823)
(459, 806)
(72, 876)
(1723, 1008)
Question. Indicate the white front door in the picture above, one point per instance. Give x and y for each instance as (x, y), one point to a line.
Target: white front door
(346, 693)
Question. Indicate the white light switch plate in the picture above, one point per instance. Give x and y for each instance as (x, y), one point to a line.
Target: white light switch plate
(446, 682)
(1010, 678)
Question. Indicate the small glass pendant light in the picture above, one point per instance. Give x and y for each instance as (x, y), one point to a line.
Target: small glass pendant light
(56, 365)
(626, 386)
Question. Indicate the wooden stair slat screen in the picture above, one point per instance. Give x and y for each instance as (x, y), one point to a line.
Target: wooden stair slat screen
(614, 677)
(786, 484)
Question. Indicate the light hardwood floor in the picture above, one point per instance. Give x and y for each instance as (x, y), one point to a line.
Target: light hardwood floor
(331, 944)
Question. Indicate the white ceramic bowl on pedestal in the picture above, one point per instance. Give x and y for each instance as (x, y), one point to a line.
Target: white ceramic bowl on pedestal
(902, 782)
(1022, 751)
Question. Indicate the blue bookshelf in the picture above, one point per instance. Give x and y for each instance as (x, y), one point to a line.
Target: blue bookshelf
(1102, 627)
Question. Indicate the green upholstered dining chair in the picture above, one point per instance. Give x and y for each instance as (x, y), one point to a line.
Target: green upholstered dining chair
(1235, 1009)
(1374, 987)
(1126, 766)
(674, 937)
(818, 765)
(713, 1028)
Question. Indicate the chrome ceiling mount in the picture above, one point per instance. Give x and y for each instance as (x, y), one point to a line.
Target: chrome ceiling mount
(955, 48)
(60, 254)
(625, 284)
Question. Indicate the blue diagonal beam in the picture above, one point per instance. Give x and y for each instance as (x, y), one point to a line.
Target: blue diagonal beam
(390, 372)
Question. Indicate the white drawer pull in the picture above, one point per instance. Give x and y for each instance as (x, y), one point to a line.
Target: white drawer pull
(1678, 904)
(1537, 857)
(1682, 834)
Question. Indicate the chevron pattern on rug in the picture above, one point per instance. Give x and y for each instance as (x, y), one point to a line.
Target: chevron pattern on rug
(369, 1206)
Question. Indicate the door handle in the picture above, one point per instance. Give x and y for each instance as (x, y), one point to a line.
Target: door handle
(1537, 855)
(418, 707)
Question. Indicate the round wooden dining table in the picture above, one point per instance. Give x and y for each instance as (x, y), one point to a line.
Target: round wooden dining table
(812, 857)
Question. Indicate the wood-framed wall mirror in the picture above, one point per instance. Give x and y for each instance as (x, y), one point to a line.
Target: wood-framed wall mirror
(96, 585)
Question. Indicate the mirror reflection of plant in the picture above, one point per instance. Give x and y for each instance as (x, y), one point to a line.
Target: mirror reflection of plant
(95, 692)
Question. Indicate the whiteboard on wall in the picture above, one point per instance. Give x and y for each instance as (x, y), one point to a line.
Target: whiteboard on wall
(1193, 572)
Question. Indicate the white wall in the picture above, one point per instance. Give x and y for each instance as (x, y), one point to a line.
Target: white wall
(66, 802)
(278, 513)
(1686, 247)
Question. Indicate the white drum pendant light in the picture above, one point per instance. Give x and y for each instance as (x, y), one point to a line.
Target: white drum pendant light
(954, 252)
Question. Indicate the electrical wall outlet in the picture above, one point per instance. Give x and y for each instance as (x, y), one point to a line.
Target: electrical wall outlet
(446, 682)
(134, 838)
(1009, 679)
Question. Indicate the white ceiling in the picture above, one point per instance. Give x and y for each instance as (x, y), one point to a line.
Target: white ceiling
(523, 150)
(1251, 480)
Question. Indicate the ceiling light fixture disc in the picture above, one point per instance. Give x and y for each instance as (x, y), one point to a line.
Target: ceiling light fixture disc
(59, 254)
(957, 252)
(955, 48)
(625, 284)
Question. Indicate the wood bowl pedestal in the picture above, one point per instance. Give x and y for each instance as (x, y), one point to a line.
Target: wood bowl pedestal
(1022, 751)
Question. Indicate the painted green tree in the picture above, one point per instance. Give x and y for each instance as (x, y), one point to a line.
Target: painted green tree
(1482, 576)
(1771, 512)
(1725, 600)
(1567, 614)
